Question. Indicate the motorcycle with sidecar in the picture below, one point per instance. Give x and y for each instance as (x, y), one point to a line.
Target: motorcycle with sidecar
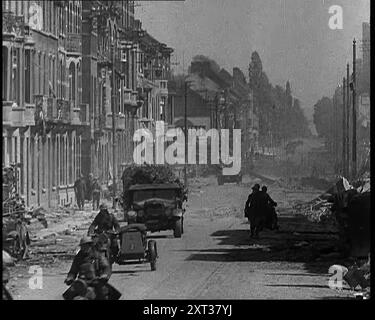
(128, 246)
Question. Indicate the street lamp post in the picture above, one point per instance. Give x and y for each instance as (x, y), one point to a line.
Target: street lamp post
(354, 142)
(186, 135)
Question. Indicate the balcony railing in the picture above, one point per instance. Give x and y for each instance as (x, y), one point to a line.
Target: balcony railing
(73, 42)
(29, 114)
(74, 112)
(121, 122)
(63, 110)
(134, 98)
(127, 96)
(84, 114)
(108, 120)
(163, 86)
(13, 24)
(7, 113)
(41, 108)
(51, 109)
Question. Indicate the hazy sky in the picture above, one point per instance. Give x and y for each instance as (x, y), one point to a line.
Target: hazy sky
(292, 37)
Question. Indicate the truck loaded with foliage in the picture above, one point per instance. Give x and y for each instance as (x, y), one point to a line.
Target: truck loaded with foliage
(148, 174)
(153, 195)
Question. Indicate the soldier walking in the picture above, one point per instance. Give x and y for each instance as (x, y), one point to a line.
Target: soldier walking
(80, 190)
(253, 211)
(95, 194)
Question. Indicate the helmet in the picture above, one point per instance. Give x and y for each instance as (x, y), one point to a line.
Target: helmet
(85, 239)
(256, 186)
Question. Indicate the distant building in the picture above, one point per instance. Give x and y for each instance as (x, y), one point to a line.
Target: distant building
(217, 99)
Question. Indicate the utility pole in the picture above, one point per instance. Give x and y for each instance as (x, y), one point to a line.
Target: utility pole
(186, 135)
(113, 101)
(344, 133)
(347, 158)
(334, 132)
(354, 147)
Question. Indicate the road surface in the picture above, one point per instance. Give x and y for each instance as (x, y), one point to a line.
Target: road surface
(215, 258)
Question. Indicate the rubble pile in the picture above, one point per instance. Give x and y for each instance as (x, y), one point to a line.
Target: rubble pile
(317, 210)
(323, 208)
(358, 277)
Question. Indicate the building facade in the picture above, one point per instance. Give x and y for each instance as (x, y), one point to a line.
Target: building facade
(67, 67)
(42, 123)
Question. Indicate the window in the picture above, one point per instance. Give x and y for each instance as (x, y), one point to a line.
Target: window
(32, 153)
(47, 15)
(45, 74)
(27, 162)
(3, 142)
(5, 73)
(72, 82)
(14, 74)
(43, 147)
(61, 160)
(44, 15)
(53, 73)
(27, 76)
(61, 79)
(15, 150)
(39, 72)
(53, 162)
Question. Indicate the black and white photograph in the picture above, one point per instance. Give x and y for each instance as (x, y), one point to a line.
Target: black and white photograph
(168, 151)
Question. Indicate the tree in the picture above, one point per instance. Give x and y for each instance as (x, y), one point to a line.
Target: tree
(323, 112)
(279, 113)
(255, 71)
(288, 95)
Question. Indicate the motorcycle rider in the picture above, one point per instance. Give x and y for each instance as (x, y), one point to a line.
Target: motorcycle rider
(106, 222)
(93, 268)
(270, 216)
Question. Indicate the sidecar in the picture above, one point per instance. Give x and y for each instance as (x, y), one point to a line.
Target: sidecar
(134, 246)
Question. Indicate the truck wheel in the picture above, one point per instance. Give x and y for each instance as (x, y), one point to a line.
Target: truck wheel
(153, 254)
(177, 228)
(220, 181)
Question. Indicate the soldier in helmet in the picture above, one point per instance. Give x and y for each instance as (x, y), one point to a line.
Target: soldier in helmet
(105, 222)
(80, 191)
(253, 210)
(95, 194)
(92, 267)
(270, 216)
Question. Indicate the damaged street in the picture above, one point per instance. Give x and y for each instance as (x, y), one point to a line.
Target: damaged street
(186, 150)
(214, 259)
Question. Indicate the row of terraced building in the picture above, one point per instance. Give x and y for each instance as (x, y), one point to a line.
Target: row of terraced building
(67, 65)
